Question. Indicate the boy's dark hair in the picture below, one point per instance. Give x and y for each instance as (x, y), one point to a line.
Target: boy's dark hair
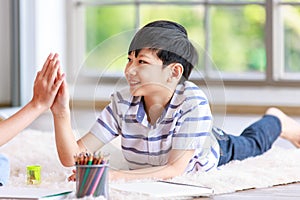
(171, 43)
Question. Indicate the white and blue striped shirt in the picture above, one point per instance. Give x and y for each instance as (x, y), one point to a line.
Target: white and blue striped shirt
(185, 124)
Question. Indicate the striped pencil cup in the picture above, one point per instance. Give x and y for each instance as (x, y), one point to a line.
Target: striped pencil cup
(92, 180)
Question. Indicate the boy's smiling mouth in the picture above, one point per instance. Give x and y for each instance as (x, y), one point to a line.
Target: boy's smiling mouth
(133, 82)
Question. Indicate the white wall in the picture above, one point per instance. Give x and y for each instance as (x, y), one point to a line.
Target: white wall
(42, 30)
(43, 26)
(5, 52)
(51, 29)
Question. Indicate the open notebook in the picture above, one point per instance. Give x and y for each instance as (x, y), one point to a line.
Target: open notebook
(163, 189)
(32, 193)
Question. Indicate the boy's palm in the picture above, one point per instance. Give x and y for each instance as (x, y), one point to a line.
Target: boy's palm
(61, 101)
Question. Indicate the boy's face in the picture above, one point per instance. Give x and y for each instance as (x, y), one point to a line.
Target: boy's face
(146, 75)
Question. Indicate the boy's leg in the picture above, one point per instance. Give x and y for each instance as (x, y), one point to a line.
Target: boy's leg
(254, 140)
(4, 170)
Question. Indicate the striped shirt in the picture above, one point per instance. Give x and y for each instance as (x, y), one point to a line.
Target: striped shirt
(185, 124)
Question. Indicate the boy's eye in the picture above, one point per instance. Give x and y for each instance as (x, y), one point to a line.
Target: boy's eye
(142, 62)
(129, 59)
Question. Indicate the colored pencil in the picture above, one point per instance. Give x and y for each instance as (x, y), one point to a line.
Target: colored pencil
(86, 174)
(90, 170)
(98, 177)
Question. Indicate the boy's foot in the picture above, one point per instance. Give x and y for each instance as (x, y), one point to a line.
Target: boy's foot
(290, 127)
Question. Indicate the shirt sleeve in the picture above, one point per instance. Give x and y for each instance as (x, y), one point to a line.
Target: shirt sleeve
(107, 125)
(91, 142)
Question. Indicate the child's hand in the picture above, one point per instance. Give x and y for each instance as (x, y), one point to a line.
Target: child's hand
(73, 176)
(47, 83)
(61, 102)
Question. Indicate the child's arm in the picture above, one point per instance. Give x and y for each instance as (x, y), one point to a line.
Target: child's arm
(46, 85)
(66, 143)
(178, 162)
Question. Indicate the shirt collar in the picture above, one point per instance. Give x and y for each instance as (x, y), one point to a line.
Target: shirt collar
(177, 99)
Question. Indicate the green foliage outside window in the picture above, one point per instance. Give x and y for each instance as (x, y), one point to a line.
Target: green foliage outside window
(238, 42)
(236, 35)
(292, 38)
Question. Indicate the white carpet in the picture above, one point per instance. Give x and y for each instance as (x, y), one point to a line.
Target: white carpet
(32, 147)
(277, 166)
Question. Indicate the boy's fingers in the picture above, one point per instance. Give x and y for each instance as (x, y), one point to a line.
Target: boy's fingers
(56, 78)
(58, 83)
(59, 74)
(72, 177)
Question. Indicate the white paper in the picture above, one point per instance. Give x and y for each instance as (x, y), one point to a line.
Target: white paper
(32, 193)
(163, 189)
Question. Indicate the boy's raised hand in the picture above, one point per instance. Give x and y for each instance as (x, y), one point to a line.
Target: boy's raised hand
(47, 83)
(61, 101)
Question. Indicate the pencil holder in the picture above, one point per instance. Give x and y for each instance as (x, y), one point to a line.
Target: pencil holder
(33, 174)
(92, 180)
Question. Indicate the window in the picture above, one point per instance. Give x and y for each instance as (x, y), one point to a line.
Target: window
(241, 41)
(291, 30)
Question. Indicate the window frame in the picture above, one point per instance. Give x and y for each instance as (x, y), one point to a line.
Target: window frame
(274, 74)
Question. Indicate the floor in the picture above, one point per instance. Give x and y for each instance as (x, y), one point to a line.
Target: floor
(283, 192)
(83, 119)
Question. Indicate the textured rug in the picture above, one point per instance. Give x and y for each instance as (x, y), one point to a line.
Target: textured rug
(30, 147)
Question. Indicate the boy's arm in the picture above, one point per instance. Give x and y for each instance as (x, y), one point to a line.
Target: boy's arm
(46, 85)
(178, 162)
(65, 140)
(66, 143)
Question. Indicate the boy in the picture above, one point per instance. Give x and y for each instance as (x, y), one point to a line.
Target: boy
(164, 121)
(46, 85)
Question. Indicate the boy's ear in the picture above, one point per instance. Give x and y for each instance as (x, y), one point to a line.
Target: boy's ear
(177, 70)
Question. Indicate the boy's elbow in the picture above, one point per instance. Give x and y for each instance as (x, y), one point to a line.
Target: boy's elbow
(66, 162)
